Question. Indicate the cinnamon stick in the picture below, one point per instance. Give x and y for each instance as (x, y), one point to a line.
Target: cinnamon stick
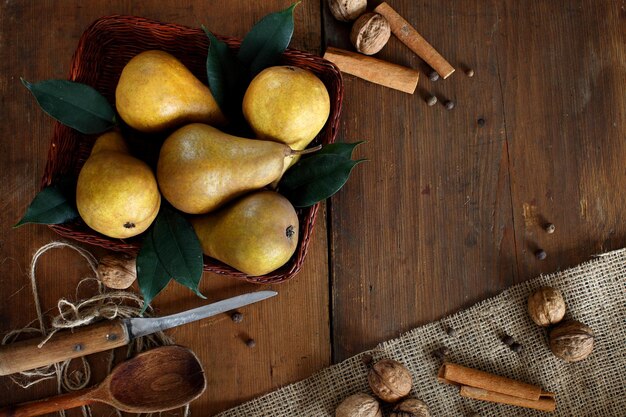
(543, 404)
(461, 375)
(488, 387)
(411, 38)
(374, 70)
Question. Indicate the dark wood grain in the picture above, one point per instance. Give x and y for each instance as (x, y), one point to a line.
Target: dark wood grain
(431, 228)
(37, 40)
(565, 101)
(449, 210)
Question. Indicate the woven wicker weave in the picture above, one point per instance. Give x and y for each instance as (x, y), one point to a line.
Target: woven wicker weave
(103, 50)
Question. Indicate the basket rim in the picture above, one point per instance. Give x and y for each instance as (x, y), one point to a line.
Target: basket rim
(226, 38)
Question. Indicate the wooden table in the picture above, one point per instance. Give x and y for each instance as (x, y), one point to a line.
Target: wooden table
(448, 210)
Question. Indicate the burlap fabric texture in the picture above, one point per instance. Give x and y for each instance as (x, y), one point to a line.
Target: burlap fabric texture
(595, 293)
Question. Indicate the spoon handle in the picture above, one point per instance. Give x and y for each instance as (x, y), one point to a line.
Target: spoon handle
(49, 405)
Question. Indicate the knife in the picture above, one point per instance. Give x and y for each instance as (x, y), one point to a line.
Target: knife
(110, 334)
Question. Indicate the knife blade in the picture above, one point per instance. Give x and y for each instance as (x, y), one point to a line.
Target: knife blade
(138, 327)
(24, 355)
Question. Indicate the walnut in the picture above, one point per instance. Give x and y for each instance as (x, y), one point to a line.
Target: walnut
(571, 341)
(359, 405)
(546, 306)
(117, 271)
(389, 380)
(411, 407)
(370, 33)
(347, 10)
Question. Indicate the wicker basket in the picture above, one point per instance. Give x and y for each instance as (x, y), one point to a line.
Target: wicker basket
(103, 50)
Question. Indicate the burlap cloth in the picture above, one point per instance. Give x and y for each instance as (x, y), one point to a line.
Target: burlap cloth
(595, 293)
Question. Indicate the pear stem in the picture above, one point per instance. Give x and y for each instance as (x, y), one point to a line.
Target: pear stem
(306, 151)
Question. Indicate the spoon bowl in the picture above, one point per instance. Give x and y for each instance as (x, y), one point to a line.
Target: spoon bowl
(159, 379)
(156, 380)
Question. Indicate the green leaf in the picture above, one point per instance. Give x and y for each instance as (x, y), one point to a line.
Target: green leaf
(76, 105)
(228, 78)
(339, 148)
(50, 206)
(267, 40)
(151, 275)
(316, 178)
(217, 61)
(178, 248)
(170, 250)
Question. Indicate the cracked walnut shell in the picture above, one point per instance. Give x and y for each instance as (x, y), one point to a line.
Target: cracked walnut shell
(546, 306)
(571, 341)
(370, 33)
(411, 407)
(389, 380)
(117, 271)
(359, 405)
(347, 10)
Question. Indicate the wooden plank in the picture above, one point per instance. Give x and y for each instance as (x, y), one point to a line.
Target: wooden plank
(37, 40)
(425, 227)
(565, 102)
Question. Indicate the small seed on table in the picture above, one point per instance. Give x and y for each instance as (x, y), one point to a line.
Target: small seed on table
(549, 228)
(237, 317)
(449, 104)
(469, 72)
(480, 122)
(450, 331)
(433, 76)
(431, 101)
(441, 353)
(540, 254)
(251, 343)
(507, 340)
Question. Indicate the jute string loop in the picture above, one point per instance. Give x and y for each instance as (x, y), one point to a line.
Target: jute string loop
(105, 304)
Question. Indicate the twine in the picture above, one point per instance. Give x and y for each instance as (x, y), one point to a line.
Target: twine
(105, 304)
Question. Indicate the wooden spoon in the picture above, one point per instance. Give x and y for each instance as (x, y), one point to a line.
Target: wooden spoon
(156, 380)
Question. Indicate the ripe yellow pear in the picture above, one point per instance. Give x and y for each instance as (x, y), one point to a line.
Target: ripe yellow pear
(116, 194)
(157, 92)
(200, 167)
(256, 234)
(288, 105)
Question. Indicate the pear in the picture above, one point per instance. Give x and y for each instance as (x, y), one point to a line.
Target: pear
(157, 92)
(110, 141)
(116, 194)
(256, 234)
(200, 167)
(288, 105)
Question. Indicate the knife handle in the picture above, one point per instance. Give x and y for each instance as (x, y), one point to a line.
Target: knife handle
(66, 344)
